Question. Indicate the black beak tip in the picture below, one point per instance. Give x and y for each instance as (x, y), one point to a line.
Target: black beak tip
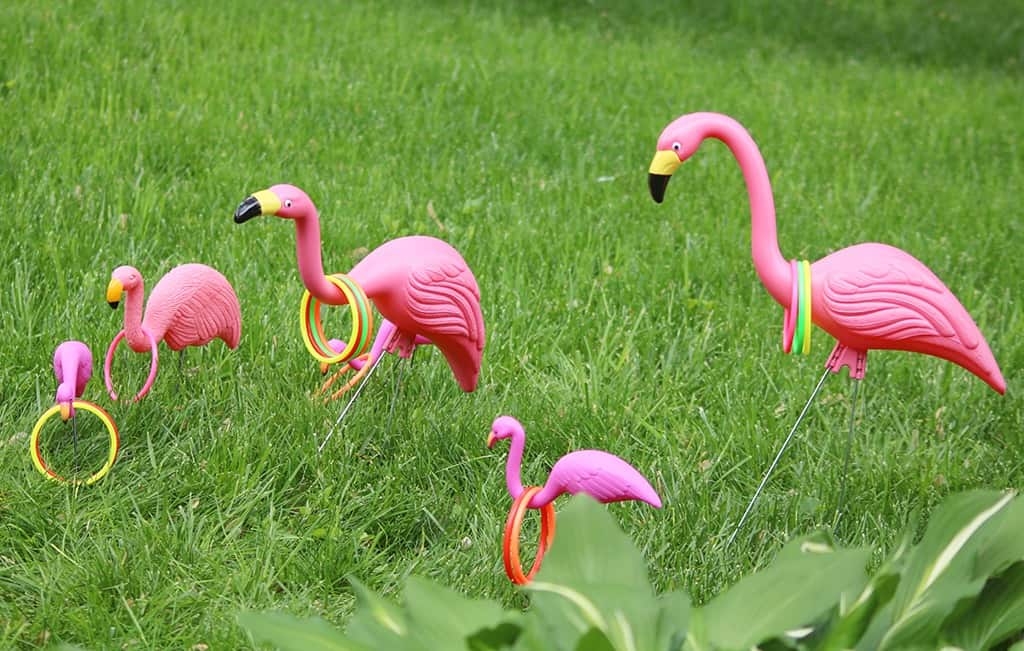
(657, 184)
(248, 209)
(113, 304)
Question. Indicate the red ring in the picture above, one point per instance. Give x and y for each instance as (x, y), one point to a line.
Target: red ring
(510, 546)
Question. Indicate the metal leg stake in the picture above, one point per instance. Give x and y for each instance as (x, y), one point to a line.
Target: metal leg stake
(778, 456)
(344, 411)
(846, 461)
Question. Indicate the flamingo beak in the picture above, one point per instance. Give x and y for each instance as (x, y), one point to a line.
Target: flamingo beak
(323, 368)
(65, 411)
(665, 163)
(264, 202)
(490, 440)
(114, 291)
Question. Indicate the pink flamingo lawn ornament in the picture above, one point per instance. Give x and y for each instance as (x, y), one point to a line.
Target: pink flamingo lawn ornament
(603, 476)
(867, 296)
(364, 362)
(72, 366)
(190, 306)
(420, 284)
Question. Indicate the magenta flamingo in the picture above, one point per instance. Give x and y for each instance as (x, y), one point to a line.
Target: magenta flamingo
(72, 364)
(385, 332)
(190, 306)
(603, 476)
(420, 284)
(867, 296)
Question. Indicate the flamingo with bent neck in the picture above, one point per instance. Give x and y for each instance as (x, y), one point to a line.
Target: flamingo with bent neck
(72, 364)
(420, 284)
(191, 305)
(602, 475)
(867, 296)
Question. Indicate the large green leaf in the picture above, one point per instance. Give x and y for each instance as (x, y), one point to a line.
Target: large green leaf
(377, 622)
(941, 570)
(440, 618)
(594, 577)
(290, 633)
(857, 609)
(806, 580)
(996, 613)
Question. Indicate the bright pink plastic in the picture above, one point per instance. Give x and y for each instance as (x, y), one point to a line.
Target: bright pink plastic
(72, 364)
(867, 296)
(190, 306)
(603, 476)
(382, 343)
(421, 284)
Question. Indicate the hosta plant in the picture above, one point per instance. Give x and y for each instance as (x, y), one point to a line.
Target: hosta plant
(960, 587)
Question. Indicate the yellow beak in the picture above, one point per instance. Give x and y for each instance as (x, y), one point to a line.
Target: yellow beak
(264, 202)
(65, 411)
(491, 440)
(114, 291)
(323, 368)
(665, 163)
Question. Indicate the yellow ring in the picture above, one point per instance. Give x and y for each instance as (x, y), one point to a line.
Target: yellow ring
(806, 270)
(96, 410)
(357, 302)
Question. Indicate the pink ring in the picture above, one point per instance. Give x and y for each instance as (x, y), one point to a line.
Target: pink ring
(790, 314)
(110, 358)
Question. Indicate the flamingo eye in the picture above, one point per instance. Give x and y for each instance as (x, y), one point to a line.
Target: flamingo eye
(287, 203)
(676, 146)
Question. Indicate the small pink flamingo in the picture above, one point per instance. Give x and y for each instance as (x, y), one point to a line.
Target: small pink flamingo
(386, 331)
(190, 306)
(420, 284)
(867, 296)
(603, 476)
(72, 364)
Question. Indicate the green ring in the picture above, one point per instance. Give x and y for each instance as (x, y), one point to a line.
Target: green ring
(313, 330)
(798, 338)
(362, 309)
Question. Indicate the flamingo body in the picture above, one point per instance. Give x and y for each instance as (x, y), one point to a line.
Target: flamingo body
(867, 296)
(603, 476)
(190, 306)
(72, 365)
(420, 284)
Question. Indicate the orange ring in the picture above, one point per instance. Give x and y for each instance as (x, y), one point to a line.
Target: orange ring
(510, 546)
(365, 357)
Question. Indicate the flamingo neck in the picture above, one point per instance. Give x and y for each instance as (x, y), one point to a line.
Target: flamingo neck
(771, 267)
(137, 339)
(514, 463)
(69, 363)
(311, 267)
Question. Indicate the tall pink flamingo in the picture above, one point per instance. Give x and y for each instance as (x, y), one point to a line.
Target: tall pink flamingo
(72, 364)
(601, 475)
(192, 305)
(867, 296)
(420, 284)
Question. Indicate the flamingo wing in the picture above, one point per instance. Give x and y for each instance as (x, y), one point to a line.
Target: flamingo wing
(444, 300)
(603, 476)
(897, 301)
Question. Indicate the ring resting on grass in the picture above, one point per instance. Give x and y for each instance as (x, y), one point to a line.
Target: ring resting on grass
(108, 422)
(510, 544)
(603, 476)
(313, 330)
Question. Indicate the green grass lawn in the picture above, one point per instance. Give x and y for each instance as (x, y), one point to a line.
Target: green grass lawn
(132, 130)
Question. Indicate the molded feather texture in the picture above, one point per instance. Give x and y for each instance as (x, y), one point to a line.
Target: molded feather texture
(192, 305)
(446, 300)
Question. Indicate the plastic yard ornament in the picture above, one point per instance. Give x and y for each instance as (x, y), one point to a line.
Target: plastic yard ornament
(420, 285)
(603, 476)
(867, 296)
(190, 306)
(72, 365)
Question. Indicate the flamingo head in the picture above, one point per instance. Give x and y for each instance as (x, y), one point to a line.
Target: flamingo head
(504, 427)
(123, 279)
(65, 394)
(677, 142)
(280, 200)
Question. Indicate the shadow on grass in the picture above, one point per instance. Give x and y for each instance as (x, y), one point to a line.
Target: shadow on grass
(984, 35)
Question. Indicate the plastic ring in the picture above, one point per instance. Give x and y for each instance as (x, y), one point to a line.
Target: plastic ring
(790, 313)
(115, 442)
(798, 337)
(110, 359)
(312, 327)
(510, 547)
(805, 309)
(354, 380)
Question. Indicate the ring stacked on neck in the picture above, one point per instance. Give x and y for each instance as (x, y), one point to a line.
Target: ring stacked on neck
(362, 322)
(796, 322)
